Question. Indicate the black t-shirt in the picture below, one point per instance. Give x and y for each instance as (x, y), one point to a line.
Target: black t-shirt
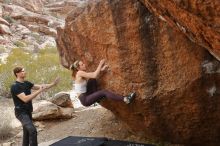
(17, 88)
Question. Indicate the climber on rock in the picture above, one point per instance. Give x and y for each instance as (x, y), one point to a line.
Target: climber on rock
(86, 85)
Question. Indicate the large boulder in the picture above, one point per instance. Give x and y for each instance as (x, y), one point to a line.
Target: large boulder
(62, 99)
(31, 5)
(17, 12)
(62, 8)
(45, 110)
(198, 20)
(20, 30)
(30, 18)
(175, 79)
(42, 29)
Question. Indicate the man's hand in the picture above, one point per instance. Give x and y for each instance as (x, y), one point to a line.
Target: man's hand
(43, 87)
(55, 82)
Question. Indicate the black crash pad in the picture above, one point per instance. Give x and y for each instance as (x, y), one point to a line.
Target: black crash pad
(94, 141)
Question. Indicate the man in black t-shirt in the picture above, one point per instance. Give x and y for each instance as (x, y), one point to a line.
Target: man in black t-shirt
(22, 97)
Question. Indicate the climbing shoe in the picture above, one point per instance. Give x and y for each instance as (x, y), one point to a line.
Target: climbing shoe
(128, 99)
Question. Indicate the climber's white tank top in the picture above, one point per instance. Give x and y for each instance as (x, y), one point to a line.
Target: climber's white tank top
(80, 87)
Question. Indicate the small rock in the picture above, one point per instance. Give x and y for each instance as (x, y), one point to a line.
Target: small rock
(20, 134)
(39, 130)
(4, 29)
(7, 144)
(39, 124)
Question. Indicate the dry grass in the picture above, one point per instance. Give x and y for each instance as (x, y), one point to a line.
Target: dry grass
(5, 124)
(41, 67)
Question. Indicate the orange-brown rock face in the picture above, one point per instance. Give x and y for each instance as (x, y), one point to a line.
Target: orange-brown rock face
(175, 79)
(197, 19)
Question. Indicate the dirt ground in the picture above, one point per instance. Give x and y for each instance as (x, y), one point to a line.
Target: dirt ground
(93, 121)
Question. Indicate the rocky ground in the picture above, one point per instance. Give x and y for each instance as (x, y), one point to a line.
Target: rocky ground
(32, 24)
(94, 121)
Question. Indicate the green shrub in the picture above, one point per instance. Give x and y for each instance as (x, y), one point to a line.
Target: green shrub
(36, 36)
(48, 50)
(7, 1)
(9, 19)
(41, 68)
(20, 44)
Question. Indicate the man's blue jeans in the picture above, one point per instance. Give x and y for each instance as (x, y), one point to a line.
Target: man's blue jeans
(29, 130)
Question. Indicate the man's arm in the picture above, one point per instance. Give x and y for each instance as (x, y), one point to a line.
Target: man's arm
(36, 87)
(26, 98)
(47, 86)
(56, 81)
